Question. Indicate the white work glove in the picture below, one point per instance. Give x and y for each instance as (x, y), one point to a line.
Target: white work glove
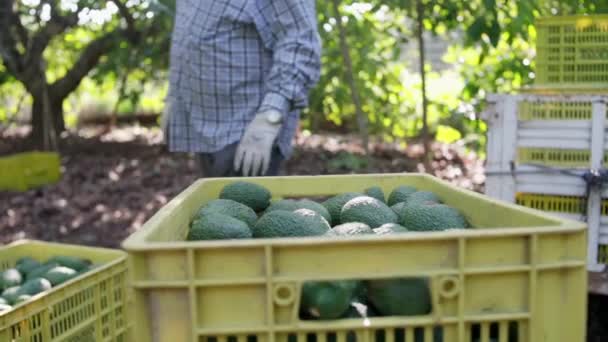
(255, 149)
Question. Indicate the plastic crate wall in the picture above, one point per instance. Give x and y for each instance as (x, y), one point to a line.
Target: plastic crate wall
(542, 145)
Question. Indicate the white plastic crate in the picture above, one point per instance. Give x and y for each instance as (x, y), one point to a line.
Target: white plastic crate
(539, 147)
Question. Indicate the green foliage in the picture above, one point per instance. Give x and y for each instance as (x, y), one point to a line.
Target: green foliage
(491, 49)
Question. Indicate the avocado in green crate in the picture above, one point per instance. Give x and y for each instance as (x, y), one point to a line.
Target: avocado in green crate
(34, 286)
(74, 263)
(324, 300)
(26, 264)
(228, 207)
(375, 192)
(283, 223)
(60, 274)
(10, 278)
(367, 210)
(349, 229)
(400, 194)
(215, 226)
(291, 205)
(431, 217)
(252, 195)
(41, 270)
(335, 204)
(11, 294)
(390, 228)
(30, 277)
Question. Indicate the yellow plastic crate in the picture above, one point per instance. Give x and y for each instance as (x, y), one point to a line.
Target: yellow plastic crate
(89, 308)
(28, 170)
(564, 158)
(560, 111)
(554, 110)
(572, 52)
(574, 205)
(524, 267)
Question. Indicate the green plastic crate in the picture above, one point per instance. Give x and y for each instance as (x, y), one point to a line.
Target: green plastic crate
(572, 54)
(518, 266)
(90, 308)
(28, 170)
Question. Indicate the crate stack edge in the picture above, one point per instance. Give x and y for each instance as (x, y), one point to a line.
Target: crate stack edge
(566, 134)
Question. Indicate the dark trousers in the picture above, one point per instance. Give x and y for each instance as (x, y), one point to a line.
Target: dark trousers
(221, 163)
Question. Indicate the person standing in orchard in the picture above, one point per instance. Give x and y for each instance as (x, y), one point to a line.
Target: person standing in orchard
(240, 74)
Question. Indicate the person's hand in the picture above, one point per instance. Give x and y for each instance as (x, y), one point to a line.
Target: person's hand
(255, 149)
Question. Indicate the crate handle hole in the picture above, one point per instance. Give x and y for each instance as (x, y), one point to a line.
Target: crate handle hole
(284, 294)
(449, 287)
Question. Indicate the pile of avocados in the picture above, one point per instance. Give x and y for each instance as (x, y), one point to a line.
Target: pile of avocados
(29, 277)
(244, 210)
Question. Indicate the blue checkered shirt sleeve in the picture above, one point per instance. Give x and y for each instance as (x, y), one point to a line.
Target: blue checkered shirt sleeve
(229, 58)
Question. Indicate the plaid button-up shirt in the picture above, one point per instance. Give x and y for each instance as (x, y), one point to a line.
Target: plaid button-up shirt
(230, 58)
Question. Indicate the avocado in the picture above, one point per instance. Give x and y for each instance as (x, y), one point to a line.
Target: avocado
(253, 195)
(390, 228)
(422, 197)
(291, 205)
(74, 263)
(400, 296)
(11, 277)
(314, 220)
(22, 298)
(282, 223)
(334, 205)
(375, 192)
(328, 299)
(214, 226)
(367, 210)
(351, 228)
(41, 270)
(400, 194)
(26, 265)
(34, 287)
(230, 208)
(10, 295)
(60, 274)
(431, 217)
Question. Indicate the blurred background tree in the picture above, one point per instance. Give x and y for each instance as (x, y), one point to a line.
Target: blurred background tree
(112, 56)
(56, 44)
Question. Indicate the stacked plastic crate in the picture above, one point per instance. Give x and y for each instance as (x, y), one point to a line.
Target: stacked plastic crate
(546, 148)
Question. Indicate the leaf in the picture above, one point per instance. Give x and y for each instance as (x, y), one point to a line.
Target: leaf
(494, 33)
(476, 29)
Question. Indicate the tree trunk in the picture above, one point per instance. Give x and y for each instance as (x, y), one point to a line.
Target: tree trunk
(56, 108)
(426, 141)
(350, 75)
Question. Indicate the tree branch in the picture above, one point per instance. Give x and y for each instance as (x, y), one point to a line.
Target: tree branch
(133, 34)
(21, 31)
(350, 75)
(8, 46)
(56, 25)
(86, 62)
